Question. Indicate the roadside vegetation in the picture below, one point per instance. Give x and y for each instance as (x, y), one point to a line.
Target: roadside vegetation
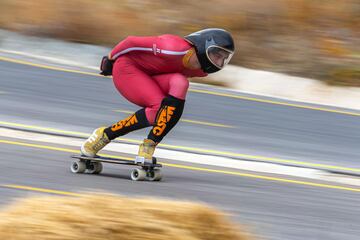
(104, 216)
(309, 38)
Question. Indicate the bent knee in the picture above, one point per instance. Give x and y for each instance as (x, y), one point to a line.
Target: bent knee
(180, 81)
(179, 85)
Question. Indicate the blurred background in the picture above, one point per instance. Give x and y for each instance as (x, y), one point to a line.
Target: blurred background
(297, 169)
(309, 38)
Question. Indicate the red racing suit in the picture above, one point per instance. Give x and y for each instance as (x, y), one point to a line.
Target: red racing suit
(148, 69)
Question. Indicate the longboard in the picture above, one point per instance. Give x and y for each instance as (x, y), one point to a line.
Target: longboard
(93, 165)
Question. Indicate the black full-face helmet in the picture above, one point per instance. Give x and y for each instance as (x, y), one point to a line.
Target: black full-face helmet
(214, 48)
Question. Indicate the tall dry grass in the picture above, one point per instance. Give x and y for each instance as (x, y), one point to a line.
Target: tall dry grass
(311, 38)
(102, 216)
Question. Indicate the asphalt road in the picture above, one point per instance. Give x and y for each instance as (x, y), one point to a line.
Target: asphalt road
(77, 102)
(273, 209)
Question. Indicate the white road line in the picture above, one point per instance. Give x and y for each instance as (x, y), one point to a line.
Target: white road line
(192, 158)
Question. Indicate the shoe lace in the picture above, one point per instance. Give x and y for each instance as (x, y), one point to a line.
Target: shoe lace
(148, 148)
(101, 143)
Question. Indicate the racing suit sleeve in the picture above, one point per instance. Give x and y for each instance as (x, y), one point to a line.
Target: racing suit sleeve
(133, 43)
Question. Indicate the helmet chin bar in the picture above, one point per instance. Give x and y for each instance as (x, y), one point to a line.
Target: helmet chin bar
(206, 65)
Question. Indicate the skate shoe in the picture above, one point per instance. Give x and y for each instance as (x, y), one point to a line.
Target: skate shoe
(146, 150)
(97, 141)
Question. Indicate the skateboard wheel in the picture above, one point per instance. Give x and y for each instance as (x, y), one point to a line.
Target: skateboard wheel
(138, 174)
(78, 167)
(96, 168)
(155, 175)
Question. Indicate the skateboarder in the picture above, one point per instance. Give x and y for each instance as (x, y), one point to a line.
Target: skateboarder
(152, 73)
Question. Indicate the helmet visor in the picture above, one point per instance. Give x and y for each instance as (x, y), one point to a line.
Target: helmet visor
(219, 56)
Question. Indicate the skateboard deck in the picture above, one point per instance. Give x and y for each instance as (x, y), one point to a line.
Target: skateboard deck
(93, 165)
(117, 161)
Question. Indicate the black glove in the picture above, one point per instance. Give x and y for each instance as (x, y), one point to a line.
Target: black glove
(106, 66)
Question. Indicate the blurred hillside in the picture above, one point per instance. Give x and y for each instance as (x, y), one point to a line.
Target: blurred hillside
(317, 39)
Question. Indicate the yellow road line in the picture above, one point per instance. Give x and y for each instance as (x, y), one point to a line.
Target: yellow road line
(206, 123)
(188, 121)
(57, 148)
(124, 111)
(200, 168)
(197, 150)
(192, 90)
(47, 67)
(39, 146)
(10, 124)
(265, 177)
(42, 190)
(275, 102)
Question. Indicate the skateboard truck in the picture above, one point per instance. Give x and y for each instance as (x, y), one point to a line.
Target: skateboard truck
(139, 160)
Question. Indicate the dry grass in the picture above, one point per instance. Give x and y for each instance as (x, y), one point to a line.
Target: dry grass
(345, 77)
(104, 216)
(309, 38)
